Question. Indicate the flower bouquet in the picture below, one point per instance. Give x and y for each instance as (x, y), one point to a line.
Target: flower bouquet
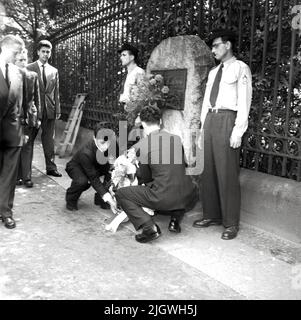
(149, 90)
(124, 175)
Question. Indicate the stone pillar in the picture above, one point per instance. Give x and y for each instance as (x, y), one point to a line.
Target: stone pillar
(191, 53)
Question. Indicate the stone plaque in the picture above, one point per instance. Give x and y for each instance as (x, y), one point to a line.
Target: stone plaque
(176, 81)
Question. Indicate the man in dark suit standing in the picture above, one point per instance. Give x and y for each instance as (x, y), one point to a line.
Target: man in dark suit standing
(33, 120)
(12, 117)
(50, 102)
(162, 169)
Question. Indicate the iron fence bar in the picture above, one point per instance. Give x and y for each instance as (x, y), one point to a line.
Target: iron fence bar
(240, 25)
(210, 16)
(290, 86)
(79, 20)
(252, 32)
(271, 153)
(200, 17)
(264, 56)
(276, 81)
(78, 29)
(97, 33)
(271, 135)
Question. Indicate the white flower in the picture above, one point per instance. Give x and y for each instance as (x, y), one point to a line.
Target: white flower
(152, 82)
(165, 90)
(158, 78)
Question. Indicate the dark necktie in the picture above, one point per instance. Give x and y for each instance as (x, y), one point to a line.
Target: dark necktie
(123, 82)
(215, 86)
(7, 76)
(44, 75)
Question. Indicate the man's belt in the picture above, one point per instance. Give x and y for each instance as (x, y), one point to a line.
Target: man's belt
(220, 110)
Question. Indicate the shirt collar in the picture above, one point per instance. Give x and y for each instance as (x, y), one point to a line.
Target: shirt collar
(226, 63)
(40, 64)
(2, 64)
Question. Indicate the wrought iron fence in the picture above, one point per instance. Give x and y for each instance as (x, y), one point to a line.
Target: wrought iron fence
(89, 33)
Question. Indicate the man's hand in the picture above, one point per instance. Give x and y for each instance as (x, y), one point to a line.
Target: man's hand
(235, 142)
(25, 139)
(200, 140)
(109, 199)
(58, 115)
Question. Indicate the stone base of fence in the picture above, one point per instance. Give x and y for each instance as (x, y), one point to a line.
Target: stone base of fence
(270, 203)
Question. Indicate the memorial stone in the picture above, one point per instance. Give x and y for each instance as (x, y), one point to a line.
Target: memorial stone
(184, 62)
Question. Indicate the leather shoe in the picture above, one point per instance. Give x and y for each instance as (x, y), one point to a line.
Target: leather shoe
(230, 233)
(19, 182)
(54, 173)
(71, 207)
(28, 184)
(204, 223)
(9, 222)
(174, 225)
(148, 234)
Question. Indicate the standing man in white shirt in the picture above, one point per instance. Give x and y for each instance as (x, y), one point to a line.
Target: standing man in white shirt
(129, 59)
(224, 120)
(50, 102)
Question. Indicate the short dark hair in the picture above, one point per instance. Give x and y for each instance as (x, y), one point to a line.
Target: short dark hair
(44, 43)
(101, 126)
(132, 50)
(150, 114)
(224, 34)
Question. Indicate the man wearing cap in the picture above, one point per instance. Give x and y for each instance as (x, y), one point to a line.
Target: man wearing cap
(90, 163)
(224, 119)
(129, 60)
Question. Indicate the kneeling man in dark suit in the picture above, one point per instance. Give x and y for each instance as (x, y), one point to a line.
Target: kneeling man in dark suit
(167, 189)
(90, 163)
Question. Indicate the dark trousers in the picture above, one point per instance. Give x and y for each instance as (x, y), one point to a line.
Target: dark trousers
(25, 166)
(221, 187)
(9, 160)
(47, 137)
(79, 184)
(132, 199)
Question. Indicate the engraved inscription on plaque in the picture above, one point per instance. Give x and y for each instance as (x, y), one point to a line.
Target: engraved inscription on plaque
(176, 82)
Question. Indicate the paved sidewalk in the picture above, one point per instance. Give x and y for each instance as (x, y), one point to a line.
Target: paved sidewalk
(57, 254)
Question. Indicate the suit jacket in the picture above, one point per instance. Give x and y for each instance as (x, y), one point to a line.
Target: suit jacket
(50, 101)
(85, 158)
(13, 108)
(33, 98)
(162, 169)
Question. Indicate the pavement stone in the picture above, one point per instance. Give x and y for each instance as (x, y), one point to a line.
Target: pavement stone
(57, 254)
